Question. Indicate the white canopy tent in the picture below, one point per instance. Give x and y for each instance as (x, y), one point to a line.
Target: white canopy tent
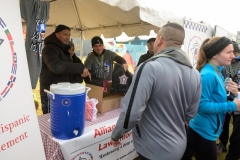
(152, 34)
(138, 17)
(124, 38)
(89, 18)
(94, 17)
(158, 12)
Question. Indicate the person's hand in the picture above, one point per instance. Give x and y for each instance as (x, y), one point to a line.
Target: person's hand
(85, 73)
(115, 143)
(237, 102)
(232, 87)
(125, 67)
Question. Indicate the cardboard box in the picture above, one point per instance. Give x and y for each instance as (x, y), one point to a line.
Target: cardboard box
(106, 101)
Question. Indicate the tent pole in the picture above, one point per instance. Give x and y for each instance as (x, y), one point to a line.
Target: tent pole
(77, 14)
(81, 45)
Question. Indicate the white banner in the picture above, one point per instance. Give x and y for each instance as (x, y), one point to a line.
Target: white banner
(220, 32)
(195, 34)
(95, 144)
(19, 130)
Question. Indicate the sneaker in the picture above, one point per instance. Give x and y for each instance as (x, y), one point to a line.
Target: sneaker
(221, 148)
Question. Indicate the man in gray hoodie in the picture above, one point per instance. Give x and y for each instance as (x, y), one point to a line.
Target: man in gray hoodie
(162, 98)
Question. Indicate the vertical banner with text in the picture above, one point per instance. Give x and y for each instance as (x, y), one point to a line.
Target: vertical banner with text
(195, 34)
(19, 130)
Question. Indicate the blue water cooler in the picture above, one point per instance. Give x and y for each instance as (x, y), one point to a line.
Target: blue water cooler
(67, 109)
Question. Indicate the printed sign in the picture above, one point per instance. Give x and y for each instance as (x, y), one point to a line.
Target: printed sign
(95, 144)
(195, 34)
(19, 129)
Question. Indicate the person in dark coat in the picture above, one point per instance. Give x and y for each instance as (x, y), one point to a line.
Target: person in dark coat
(150, 52)
(56, 63)
(76, 78)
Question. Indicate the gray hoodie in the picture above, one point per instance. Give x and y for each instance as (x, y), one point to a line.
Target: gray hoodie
(167, 96)
(35, 14)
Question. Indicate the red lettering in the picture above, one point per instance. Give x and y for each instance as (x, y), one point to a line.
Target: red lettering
(2, 128)
(25, 134)
(109, 129)
(20, 121)
(11, 126)
(103, 130)
(10, 143)
(105, 145)
(97, 133)
(3, 147)
(125, 136)
(17, 139)
(101, 148)
(15, 123)
(13, 141)
(6, 128)
(27, 118)
(109, 144)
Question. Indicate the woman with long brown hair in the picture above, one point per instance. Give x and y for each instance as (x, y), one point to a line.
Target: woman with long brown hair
(206, 126)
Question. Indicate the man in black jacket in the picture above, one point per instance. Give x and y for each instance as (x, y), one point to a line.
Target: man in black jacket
(149, 53)
(56, 63)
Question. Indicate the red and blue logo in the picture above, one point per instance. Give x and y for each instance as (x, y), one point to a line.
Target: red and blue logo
(83, 156)
(12, 73)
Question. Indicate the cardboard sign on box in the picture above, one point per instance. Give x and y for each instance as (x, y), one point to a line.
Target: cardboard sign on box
(106, 101)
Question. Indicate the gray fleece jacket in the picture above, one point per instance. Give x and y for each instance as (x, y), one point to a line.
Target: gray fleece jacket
(167, 96)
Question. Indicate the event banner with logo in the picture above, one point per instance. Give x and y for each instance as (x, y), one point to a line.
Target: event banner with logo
(195, 34)
(19, 130)
(95, 144)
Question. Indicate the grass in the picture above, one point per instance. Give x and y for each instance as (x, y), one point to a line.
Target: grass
(39, 112)
(36, 92)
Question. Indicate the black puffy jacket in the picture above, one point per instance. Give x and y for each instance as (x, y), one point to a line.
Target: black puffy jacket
(57, 65)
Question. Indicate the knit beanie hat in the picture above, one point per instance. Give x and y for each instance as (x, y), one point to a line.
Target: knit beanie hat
(61, 27)
(96, 40)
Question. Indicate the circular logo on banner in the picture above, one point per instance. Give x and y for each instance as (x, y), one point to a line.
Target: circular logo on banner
(66, 102)
(193, 48)
(83, 156)
(8, 60)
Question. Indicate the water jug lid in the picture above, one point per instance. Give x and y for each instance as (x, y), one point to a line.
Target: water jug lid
(67, 88)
